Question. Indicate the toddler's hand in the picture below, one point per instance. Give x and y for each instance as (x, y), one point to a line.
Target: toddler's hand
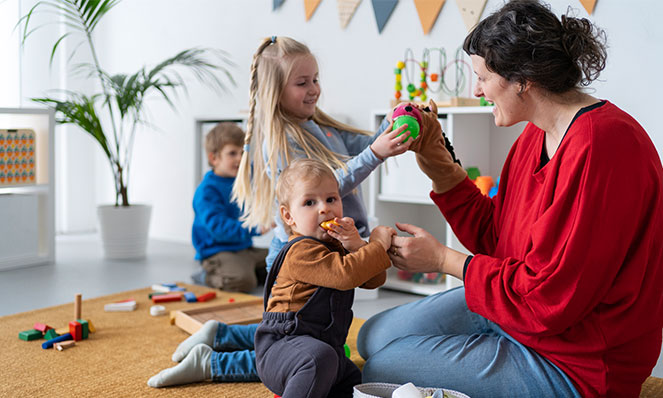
(389, 144)
(383, 235)
(344, 230)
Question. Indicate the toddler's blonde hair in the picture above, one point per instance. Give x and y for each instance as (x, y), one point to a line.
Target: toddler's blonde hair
(254, 190)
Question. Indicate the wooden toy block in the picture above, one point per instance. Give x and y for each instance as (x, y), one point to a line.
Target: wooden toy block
(160, 288)
(166, 298)
(50, 334)
(48, 344)
(76, 330)
(126, 305)
(77, 306)
(190, 297)
(61, 331)
(207, 296)
(150, 295)
(85, 326)
(169, 285)
(41, 327)
(63, 345)
(240, 313)
(91, 326)
(32, 334)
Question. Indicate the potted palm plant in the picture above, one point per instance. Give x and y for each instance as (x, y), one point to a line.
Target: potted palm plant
(113, 115)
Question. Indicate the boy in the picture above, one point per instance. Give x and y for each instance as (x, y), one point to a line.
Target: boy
(299, 343)
(223, 246)
(337, 259)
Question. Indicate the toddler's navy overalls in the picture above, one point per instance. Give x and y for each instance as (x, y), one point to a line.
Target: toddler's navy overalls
(300, 354)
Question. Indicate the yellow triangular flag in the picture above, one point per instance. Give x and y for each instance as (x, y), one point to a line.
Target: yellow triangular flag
(471, 11)
(589, 5)
(346, 9)
(310, 6)
(428, 11)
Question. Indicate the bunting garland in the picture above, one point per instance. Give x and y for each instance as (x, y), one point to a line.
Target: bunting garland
(346, 9)
(589, 5)
(383, 10)
(471, 11)
(310, 6)
(428, 11)
(276, 4)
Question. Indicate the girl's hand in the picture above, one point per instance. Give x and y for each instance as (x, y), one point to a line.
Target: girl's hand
(389, 144)
(422, 252)
(346, 233)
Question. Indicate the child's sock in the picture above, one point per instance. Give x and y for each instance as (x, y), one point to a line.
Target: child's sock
(205, 335)
(194, 368)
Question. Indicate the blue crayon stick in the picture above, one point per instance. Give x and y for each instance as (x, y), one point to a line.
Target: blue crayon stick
(48, 344)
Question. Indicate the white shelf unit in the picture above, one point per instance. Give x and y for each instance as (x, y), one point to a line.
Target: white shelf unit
(27, 212)
(399, 191)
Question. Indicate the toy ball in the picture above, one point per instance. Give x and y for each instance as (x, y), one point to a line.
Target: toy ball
(410, 115)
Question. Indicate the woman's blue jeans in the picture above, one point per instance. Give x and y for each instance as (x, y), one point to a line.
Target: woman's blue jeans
(439, 342)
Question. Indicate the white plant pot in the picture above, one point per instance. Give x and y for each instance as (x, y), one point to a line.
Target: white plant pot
(124, 230)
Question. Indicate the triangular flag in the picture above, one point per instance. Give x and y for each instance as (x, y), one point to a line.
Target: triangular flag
(276, 4)
(346, 9)
(589, 5)
(471, 11)
(382, 10)
(428, 11)
(310, 7)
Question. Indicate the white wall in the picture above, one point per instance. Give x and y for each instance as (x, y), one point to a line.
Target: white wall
(356, 67)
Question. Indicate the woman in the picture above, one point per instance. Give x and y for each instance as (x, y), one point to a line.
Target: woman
(562, 296)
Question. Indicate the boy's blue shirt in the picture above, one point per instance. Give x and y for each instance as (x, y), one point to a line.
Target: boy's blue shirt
(216, 226)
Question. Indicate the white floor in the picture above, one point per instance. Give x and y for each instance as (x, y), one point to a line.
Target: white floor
(80, 268)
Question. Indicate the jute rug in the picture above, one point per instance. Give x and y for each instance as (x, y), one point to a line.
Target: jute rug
(126, 350)
(116, 361)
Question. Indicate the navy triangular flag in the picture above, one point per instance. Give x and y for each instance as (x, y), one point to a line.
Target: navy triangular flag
(276, 4)
(383, 10)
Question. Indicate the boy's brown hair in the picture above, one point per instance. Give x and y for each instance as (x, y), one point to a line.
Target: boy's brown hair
(223, 134)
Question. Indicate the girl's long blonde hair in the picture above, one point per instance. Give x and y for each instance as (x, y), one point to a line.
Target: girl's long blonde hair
(254, 189)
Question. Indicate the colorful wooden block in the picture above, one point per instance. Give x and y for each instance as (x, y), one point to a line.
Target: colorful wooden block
(190, 297)
(91, 326)
(85, 328)
(76, 330)
(48, 344)
(207, 296)
(63, 345)
(32, 334)
(50, 334)
(42, 327)
(167, 297)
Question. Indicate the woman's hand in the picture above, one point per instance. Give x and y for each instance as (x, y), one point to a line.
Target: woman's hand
(344, 230)
(422, 252)
(389, 144)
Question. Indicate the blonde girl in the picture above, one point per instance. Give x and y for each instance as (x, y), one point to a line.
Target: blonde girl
(285, 123)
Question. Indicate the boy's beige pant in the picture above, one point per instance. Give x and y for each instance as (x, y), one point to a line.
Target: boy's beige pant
(235, 271)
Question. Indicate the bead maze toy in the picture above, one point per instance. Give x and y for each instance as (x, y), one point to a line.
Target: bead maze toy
(437, 82)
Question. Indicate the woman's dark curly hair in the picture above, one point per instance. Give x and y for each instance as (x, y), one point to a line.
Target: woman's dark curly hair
(525, 42)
